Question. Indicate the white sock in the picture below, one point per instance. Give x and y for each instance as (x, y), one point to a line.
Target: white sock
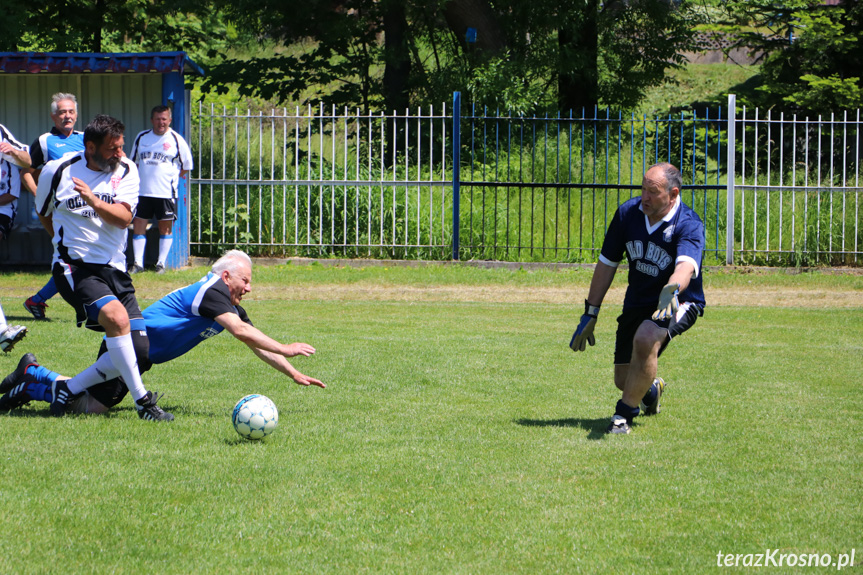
(164, 247)
(2, 319)
(122, 352)
(138, 245)
(101, 371)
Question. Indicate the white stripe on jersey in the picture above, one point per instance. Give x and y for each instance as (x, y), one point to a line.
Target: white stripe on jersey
(79, 233)
(196, 303)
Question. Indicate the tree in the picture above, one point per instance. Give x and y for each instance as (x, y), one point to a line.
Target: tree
(113, 25)
(812, 53)
(526, 55)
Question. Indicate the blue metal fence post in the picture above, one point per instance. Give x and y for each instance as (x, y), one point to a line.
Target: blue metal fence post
(174, 94)
(456, 171)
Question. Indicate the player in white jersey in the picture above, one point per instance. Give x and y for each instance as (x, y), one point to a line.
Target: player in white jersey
(163, 158)
(13, 156)
(86, 201)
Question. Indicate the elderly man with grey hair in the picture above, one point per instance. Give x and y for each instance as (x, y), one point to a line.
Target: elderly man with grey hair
(61, 140)
(175, 324)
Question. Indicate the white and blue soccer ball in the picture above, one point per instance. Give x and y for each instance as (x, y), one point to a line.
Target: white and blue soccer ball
(255, 416)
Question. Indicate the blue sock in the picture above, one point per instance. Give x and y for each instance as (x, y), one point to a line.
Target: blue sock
(39, 392)
(42, 374)
(625, 411)
(650, 396)
(48, 291)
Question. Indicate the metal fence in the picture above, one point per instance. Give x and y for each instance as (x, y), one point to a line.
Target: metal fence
(795, 196)
(316, 182)
(443, 183)
(545, 188)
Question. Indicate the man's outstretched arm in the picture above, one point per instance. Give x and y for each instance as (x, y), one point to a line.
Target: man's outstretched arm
(279, 363)
(269, 350)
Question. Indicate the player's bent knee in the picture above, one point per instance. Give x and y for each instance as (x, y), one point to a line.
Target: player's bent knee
(111, 315)
(648, 338)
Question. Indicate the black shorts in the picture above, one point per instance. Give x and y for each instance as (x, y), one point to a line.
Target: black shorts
(159, 209)
(5, 225)
(630, 319)
(88, 287)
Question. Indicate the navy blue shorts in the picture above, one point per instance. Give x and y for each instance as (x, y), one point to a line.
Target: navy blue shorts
(630, 319)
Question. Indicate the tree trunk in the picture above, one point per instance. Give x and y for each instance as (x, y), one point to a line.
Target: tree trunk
(578, 48)
(397, 57)
(98, 23)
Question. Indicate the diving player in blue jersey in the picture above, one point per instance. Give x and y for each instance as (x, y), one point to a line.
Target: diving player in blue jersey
(61, 140)
(175, 325)
(663, 241)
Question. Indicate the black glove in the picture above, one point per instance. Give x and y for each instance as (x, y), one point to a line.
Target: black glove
(584, 332)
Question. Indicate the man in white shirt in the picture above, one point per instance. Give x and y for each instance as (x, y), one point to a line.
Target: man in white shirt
(163, 158)
(13, 156)
(86, 201)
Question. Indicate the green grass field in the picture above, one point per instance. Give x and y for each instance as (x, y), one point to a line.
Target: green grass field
(456, 435)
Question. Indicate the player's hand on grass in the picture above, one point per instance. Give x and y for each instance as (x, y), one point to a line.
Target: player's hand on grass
(668, 303)
(584, 332)
(296, 349)
(302, 379)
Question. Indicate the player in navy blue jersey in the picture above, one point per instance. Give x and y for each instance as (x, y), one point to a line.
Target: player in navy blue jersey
(61, 140)
(175, 324)
(663, 241)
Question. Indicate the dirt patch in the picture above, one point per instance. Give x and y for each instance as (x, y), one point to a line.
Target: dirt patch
(748, 297)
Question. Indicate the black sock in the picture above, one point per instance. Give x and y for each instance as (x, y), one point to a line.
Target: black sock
(623, 410)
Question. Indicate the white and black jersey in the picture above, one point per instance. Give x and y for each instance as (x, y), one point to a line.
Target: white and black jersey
(79, 233)
(10, 174)
(160, 160)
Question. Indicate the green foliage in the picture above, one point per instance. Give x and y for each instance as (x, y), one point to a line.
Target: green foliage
(831, 93)
(339, 53)
(639, 44)
(812, 54)
(503, 84)
(334, 52)
(119, 26)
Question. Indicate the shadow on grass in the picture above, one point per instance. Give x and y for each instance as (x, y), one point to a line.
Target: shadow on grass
(595, 427)
(116, 411)
(27, 413)
(27, 320)
(45, 413)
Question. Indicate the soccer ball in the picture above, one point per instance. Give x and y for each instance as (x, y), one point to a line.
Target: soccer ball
(255, 416)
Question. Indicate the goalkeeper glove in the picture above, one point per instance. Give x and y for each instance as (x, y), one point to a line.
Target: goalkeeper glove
(584, 332)
(668, 303)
